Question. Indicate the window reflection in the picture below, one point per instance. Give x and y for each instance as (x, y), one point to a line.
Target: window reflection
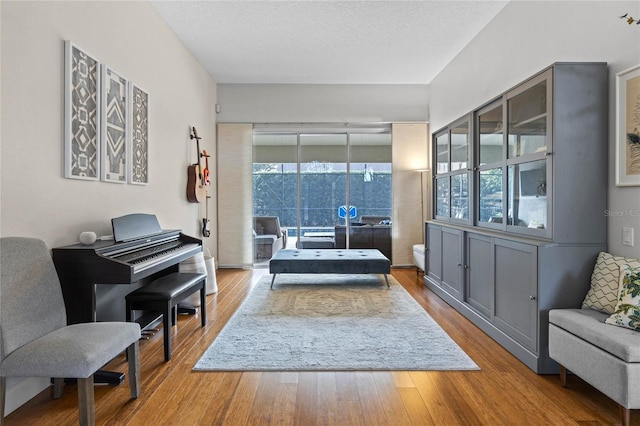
(528, 121)
(491, 196)
(442, 196)
(460, 196)
(528, 194)
(491, 131)
(460, 146)
(442, 154)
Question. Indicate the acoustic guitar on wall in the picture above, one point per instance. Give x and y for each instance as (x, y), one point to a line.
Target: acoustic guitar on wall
(196, 192)
(206, 181)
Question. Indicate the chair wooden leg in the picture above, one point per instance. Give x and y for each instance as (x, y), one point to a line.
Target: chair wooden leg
(86, 402)
(58, 384)
(625, 416)
(3, 387)
(133, 358)
(563, 376)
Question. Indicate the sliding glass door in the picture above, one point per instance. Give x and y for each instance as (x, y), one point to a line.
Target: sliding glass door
(323, 184)
(323, 187)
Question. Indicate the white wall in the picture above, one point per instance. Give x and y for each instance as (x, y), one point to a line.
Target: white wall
(37, 201)
(131, 38)
(409, 155)
(524, 38)
(338, 103)
(322, 103)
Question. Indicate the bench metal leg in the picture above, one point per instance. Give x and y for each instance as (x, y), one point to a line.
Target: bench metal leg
(203, 303)
(166, 320)
(272, 280)
(387, 280)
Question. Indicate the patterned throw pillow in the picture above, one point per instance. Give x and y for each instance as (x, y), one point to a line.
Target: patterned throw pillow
(627, 313)
(603, 294)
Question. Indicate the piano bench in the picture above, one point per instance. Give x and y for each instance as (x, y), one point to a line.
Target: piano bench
(163, 295)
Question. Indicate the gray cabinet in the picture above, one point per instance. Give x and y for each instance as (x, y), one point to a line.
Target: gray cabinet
(516, 291)
(479, 267)
(433, 251)
(452, 261)
(531, 165)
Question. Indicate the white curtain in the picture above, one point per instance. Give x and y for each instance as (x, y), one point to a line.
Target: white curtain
(410, 207)
(235, 194)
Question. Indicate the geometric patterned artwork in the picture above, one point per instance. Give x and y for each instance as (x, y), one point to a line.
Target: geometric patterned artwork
(139, 135)
(82, 114)
(628, 127)
(114, 127)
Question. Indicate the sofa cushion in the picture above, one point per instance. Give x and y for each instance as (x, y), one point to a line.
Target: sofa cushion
(265, 239)
(603, 294)
(627, 312)
(418, 256)
(589, 325)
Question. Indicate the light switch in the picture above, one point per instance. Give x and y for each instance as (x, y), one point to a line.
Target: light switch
(627, 237)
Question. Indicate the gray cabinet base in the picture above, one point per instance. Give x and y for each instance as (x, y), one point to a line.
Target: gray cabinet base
(540, 364)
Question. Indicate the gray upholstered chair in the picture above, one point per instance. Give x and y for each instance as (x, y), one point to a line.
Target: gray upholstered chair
(35, 340)
(268, 237)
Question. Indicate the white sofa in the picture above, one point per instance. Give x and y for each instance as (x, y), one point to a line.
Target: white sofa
(418, 257)
(604, 355)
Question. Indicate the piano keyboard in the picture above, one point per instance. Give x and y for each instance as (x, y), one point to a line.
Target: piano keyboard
(155, 255)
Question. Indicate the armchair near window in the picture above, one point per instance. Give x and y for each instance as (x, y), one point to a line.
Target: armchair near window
(268, 238)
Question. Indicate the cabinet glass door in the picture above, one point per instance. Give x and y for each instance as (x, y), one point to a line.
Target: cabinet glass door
(490, 196)
(460, 146)
(442, 197)
(490, 136)
(452, 164)
(528, 121)
(460, 196)
(442, 153)
(528, 194)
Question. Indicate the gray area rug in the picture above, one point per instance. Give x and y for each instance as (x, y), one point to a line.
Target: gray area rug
(332, 322)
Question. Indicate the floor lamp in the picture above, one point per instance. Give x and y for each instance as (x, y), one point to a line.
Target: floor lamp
(422, 172)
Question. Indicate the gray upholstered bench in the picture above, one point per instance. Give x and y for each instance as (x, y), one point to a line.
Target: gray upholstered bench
(605, 356)
(163, 295)
(357, 261)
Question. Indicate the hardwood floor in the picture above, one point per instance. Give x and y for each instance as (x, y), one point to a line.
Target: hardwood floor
(504, 392)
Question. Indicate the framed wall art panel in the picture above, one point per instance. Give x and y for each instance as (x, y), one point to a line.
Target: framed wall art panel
(138, 144)
(114, 127)
(628, 127)
(82, 114)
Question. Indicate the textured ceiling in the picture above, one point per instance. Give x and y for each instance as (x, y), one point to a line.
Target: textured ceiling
(326, 42)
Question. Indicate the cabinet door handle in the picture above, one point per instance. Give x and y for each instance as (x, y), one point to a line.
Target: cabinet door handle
(466, 266)
(458, 264)
(532, 298)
